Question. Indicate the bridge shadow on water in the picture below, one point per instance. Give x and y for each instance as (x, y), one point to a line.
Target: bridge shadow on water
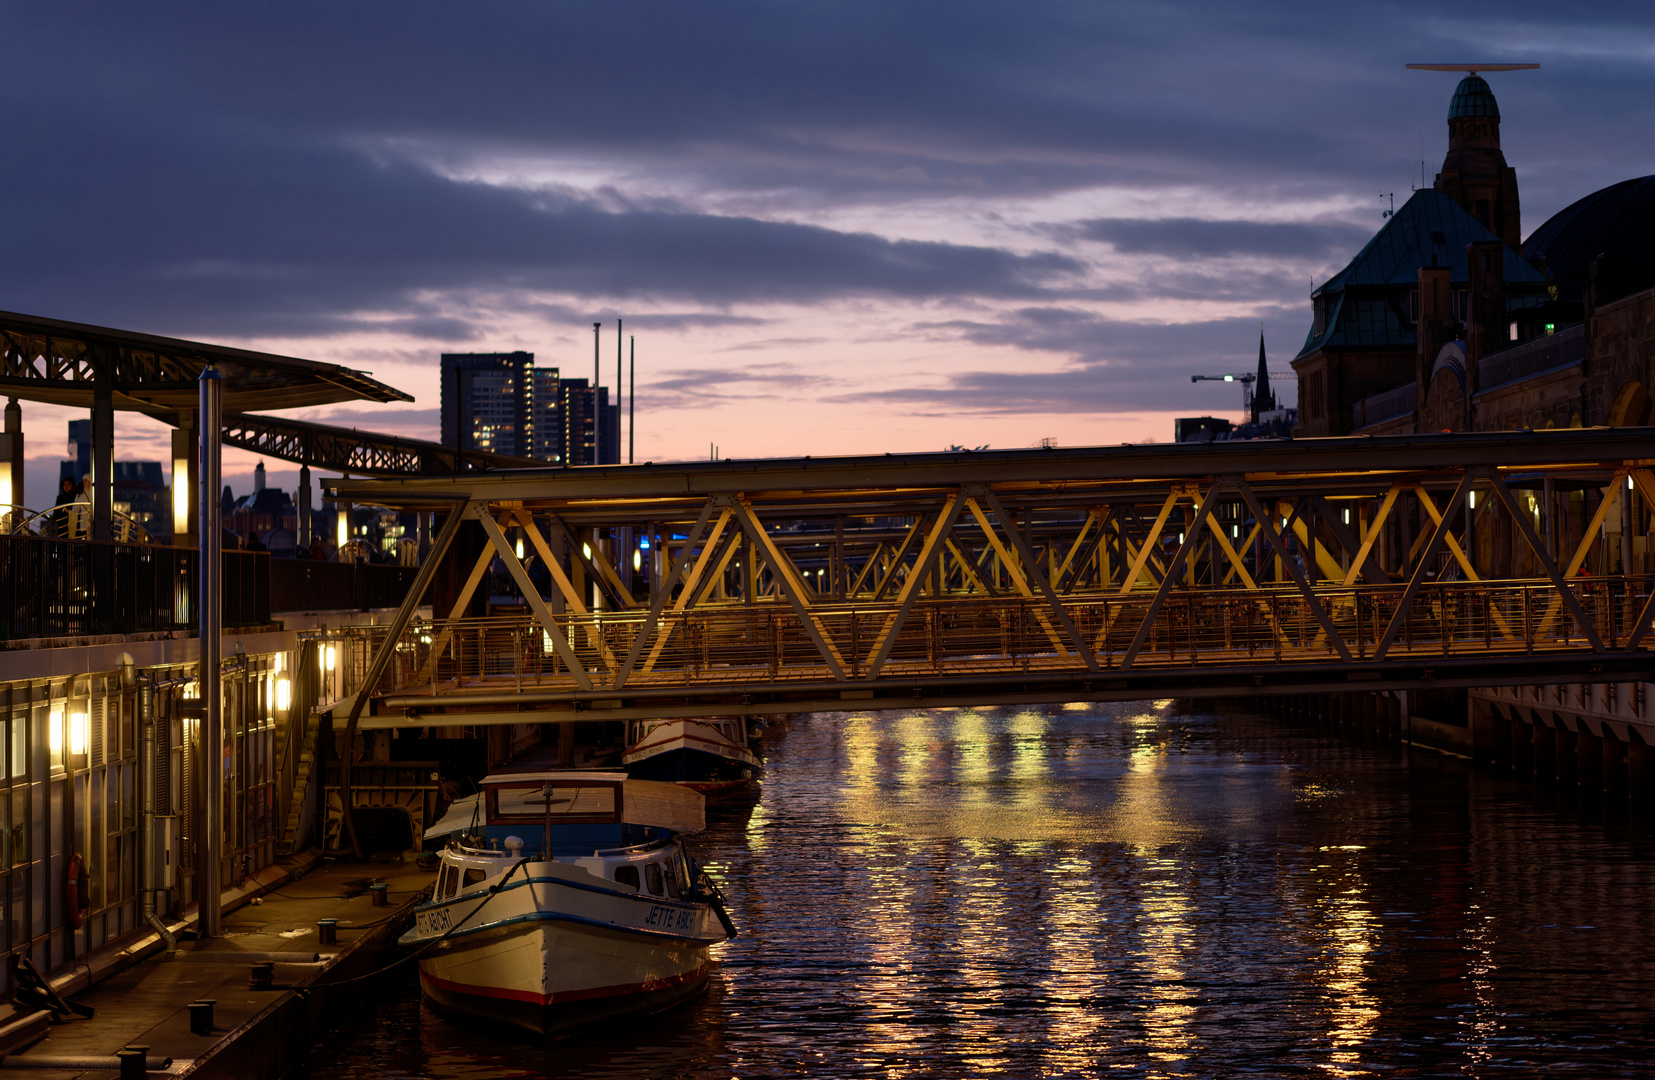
(1143, 889)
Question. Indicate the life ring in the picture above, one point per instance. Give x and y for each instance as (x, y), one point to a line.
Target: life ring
(77, 895)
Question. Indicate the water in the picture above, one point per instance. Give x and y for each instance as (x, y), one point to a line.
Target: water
(1122, 889)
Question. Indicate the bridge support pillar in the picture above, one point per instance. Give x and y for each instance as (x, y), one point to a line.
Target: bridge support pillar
(1544, 742)
(1616, 774)
(1640, 777)
(1589, 764)
(1568, 757)
(1522, 744)
(1488, 732)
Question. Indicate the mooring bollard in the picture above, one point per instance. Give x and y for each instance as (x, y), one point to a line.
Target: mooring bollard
(262, 977)
(381, 894)
(201, 1016)
(133, 1063)
(327, 931)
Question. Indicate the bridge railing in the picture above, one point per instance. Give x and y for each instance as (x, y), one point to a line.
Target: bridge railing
(770, 643)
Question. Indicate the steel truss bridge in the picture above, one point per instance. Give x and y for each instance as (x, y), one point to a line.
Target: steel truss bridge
(1022, 576)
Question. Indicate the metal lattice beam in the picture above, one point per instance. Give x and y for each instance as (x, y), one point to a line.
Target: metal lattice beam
(362, 453)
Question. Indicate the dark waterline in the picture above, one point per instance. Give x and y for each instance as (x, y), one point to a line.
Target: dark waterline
(1132, 890)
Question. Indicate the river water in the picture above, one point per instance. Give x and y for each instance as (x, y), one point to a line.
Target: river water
(1131, 890)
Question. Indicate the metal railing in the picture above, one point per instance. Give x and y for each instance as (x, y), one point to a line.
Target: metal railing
(738, 645)
(1386, 405)
(1566, 347)
(68, 588)
(309, 585)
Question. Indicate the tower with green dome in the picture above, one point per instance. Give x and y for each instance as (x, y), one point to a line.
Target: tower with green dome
(1475, 173)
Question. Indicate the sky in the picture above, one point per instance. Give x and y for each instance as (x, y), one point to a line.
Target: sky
(831, 228)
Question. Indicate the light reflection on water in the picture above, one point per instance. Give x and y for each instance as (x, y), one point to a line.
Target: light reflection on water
(1130, 890)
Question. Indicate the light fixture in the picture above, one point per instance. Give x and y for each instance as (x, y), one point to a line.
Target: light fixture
(180, 495)
(276, 663)
(1347, 515)
(637, 560)
(343, 531)
(329, 656)
(1629, 486)
(5, 484)
(1471, 499)
(586, 549)
(284, 694)
(519, 549)
(77, 734)
(1229, 378)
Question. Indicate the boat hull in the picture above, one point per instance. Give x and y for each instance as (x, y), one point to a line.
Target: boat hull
(551, 977)
(695, 755)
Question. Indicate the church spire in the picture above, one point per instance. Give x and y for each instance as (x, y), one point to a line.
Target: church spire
(1263, 399)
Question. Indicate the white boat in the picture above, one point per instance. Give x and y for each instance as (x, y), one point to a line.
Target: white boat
(569, 898)
(708, 755)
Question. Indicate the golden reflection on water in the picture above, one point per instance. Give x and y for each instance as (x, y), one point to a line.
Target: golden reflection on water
(1351, 928)
(1164, 929)
(980, 956)
(1075, 920)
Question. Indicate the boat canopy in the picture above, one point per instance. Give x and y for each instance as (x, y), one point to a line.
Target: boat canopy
(462, 814)
(574, 797)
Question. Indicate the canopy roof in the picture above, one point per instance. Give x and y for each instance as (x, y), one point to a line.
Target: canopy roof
(60, 362)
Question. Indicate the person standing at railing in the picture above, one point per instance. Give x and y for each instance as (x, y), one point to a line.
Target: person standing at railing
(58, 521)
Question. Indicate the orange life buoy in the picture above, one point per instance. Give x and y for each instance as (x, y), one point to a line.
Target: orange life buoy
(77, 895)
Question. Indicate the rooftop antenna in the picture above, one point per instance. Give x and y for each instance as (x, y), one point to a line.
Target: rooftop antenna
(1391, 195)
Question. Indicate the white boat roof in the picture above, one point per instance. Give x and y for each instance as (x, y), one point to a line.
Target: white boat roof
(643, 802)
(556, 774)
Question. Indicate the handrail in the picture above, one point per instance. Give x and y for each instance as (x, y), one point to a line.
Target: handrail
(736, 645)
(73, 521)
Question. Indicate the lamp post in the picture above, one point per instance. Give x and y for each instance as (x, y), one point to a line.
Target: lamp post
(597, 416)
(211, 624)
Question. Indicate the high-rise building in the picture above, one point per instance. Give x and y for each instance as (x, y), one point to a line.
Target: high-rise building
(502, 402)
(80, 452)
(488, 402)
(546, 417)
(577, 414)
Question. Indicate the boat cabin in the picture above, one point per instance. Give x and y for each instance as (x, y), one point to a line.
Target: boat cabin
(615, 828)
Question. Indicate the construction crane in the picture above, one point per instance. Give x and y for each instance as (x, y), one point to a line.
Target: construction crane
(1246, 379)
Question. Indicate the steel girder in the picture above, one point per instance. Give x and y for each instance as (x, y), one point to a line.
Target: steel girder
(363, 453)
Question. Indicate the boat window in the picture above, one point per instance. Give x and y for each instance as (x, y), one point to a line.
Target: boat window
(446, 882)
(652, 872)
(627, 875)
(473, 876)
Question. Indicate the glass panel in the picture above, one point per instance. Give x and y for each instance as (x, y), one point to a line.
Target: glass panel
(19, 746)
(530, 803)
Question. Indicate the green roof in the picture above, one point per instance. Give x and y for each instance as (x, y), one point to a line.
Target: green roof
(1429, 229)
(1473, 98)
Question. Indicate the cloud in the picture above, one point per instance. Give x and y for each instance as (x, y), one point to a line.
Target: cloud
(342, 244)
(1197, 238)
(762, 381)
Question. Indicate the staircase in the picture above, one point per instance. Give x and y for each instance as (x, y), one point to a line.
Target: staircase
(306, 747)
